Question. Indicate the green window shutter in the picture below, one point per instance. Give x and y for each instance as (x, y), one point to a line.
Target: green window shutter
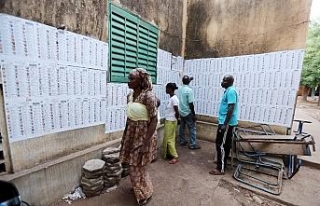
(147, 48)
(133, 43)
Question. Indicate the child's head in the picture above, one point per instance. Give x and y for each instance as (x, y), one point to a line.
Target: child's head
(171, 87)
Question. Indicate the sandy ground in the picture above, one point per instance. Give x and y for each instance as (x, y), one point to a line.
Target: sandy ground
(188, 183)
(310, 111)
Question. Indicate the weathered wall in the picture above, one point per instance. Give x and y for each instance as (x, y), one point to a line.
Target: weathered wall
(87, 17)
(28, 153)
(215, 28)
(47, 183)
(90, 17)
(83, 17)
(166, 14)
(218, 28)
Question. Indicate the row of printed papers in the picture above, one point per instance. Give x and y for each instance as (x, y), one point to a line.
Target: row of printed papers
(269, 79)
(163, 66)
(255, 113)
(169, 67)
(177, 63)
(117, 94)
(281, 116)
(75, 98)
(206, 93)
(167, 76)
(116, 107)
(264, 81)
(280, 61)
(28, 119)
(164, 59)
(275, 97)
(27, 40)
(30, 80)
(115, 119)
(160, 92)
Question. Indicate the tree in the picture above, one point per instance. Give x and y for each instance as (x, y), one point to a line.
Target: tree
(311, 63)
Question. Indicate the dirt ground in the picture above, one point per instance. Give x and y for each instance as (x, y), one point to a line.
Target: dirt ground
(310, 111)
(310, 107)
(188, 183)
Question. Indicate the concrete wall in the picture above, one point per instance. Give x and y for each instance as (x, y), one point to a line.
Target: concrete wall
(49, 182)
(90, 17)
(84, 17)
(31, 152)
(166, 14)
(219, 28)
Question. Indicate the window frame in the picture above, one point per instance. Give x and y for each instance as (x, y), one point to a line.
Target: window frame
(133, 43)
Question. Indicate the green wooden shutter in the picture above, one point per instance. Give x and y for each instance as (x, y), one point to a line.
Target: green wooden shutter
(133, 43)
(147, 48)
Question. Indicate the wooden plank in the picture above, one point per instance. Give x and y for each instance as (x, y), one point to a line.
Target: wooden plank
(277, 136)
(281, 148)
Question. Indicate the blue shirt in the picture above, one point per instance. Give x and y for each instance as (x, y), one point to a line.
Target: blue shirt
(186, 96)
(230, 96)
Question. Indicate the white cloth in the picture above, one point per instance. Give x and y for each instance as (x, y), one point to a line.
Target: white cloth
(170, 113)
(137, 111)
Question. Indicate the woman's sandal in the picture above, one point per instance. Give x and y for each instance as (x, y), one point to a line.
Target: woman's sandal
(215, 172)
(173, 161)
(145, 201)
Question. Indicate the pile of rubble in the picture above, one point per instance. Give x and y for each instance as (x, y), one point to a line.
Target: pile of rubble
(92, 177)
(102, 174)
(113, 170)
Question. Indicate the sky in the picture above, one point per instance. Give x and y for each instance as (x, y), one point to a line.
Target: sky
(315, 10)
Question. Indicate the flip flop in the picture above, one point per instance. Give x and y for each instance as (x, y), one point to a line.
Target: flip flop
(215, 172)
(173, 161)
(194, 147)
(145, 202)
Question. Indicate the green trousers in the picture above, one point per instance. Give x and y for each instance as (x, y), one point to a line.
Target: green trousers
(169, 139)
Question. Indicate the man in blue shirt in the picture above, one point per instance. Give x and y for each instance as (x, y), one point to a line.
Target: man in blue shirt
(187, 113)
(228, 120)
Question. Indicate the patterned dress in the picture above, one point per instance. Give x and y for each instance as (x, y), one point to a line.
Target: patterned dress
(131, 150)
(135, 134)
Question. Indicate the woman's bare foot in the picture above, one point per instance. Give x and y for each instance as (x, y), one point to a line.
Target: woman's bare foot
(174, 161)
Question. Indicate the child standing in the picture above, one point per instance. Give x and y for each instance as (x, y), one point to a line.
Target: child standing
(170, 125)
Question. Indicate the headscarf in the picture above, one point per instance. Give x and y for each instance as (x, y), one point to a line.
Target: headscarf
(146, 83)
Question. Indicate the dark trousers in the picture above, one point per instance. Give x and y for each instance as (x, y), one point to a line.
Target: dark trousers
(223, 147)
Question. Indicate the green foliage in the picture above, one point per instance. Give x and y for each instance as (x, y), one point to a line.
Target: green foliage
(311, 63)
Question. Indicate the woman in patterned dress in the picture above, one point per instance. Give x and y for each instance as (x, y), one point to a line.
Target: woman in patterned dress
(139, 137)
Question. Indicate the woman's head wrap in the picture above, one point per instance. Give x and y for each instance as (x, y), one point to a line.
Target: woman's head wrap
(145, 78)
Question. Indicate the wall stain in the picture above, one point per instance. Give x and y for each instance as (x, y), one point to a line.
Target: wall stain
(199, 15)
(219, 28)
(215, 28)
(166, 15)
(86, 17)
